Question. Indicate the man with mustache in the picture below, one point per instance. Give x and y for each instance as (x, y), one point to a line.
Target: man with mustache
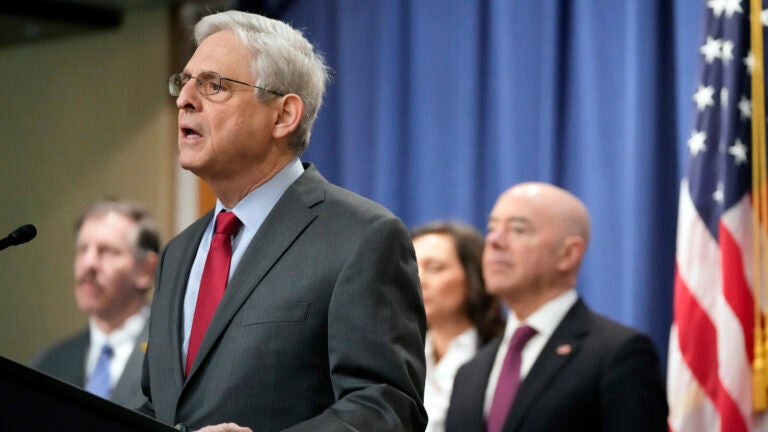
(116, 249)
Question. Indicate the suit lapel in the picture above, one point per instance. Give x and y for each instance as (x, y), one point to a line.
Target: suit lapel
(127, 387)
(181, 263)
(473, 395)
(77, 371)
(562, 347)
(285, 222)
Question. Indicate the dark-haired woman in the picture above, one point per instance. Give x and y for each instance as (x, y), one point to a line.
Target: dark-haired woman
(461, 315)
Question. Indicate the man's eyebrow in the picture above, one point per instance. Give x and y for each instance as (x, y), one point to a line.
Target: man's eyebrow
(510, 219)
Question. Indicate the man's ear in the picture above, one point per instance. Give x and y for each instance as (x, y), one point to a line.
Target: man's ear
(145, 276)
(288, 116)
(571, 253)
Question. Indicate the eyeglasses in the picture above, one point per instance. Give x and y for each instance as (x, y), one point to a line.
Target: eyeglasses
(207, 83)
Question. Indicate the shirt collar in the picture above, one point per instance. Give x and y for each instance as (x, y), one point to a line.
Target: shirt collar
(546, 318)
(465, 341)
(129, 331)
(250, 209)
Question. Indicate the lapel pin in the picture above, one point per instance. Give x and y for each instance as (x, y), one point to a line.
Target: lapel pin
(564, 349)
(143, 347)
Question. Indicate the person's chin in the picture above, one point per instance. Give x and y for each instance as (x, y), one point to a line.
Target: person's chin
(88, 306)
(190, 163)
(496, 288)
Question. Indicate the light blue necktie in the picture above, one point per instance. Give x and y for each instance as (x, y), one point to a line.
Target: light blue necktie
(99, 384)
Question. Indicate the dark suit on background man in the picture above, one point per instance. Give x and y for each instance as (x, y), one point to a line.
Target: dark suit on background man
(577, 371)
(66, 361)
(576, 383)
(297, 307)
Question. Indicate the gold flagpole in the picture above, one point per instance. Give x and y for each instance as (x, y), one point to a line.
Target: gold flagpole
(759, 206)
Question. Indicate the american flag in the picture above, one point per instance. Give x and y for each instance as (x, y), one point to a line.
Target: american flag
(711, 347)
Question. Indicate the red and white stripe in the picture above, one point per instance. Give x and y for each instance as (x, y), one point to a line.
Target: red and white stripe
(709, 385)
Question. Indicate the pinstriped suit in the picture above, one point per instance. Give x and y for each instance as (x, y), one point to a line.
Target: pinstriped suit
(321, 327)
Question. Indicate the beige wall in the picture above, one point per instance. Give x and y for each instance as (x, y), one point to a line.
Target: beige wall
(80, 118)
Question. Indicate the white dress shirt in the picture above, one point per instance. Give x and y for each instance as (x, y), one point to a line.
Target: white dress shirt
(122, 340)
(439, 382)
(545, 320)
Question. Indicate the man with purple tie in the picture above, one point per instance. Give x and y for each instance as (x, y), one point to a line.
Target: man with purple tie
(558, 366)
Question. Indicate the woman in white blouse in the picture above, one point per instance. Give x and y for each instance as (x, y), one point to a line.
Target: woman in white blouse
(461, 315)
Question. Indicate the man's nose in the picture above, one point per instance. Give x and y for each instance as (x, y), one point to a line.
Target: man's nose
(88, 258)
(495, 238)
(188, 97)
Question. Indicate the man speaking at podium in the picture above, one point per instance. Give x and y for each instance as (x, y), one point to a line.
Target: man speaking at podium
(294, 304)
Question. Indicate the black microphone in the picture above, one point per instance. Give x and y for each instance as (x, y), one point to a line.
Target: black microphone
(21, 235)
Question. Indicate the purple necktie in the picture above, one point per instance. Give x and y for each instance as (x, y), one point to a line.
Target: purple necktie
(509, 379)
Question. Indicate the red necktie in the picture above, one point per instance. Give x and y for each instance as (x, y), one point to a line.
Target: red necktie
(213, 282)
(509, 379)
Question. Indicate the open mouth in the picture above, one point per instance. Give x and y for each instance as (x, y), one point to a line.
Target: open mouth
(188, 132)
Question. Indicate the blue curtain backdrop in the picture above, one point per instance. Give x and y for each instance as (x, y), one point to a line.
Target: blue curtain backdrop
(437, 106)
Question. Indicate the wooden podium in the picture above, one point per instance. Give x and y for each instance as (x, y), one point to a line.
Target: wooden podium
(33, 401)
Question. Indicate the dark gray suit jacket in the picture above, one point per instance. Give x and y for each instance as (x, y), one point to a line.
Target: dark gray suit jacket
(321, 327)
(66, 361)
(592, 375)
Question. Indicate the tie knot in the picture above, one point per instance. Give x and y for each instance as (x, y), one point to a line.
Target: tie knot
(521, 337)
(227, 223)
(107, 351)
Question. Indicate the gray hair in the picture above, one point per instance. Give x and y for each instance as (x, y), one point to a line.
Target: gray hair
(283, 61)
(148, 236)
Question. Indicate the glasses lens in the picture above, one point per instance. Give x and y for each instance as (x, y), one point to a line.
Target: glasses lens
(175, 83)
(209, 83)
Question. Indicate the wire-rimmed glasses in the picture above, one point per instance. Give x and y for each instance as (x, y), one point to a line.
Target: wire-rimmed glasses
(207, 83)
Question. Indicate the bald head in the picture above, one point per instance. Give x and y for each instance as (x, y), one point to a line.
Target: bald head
(537, 237)
(566, 210)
